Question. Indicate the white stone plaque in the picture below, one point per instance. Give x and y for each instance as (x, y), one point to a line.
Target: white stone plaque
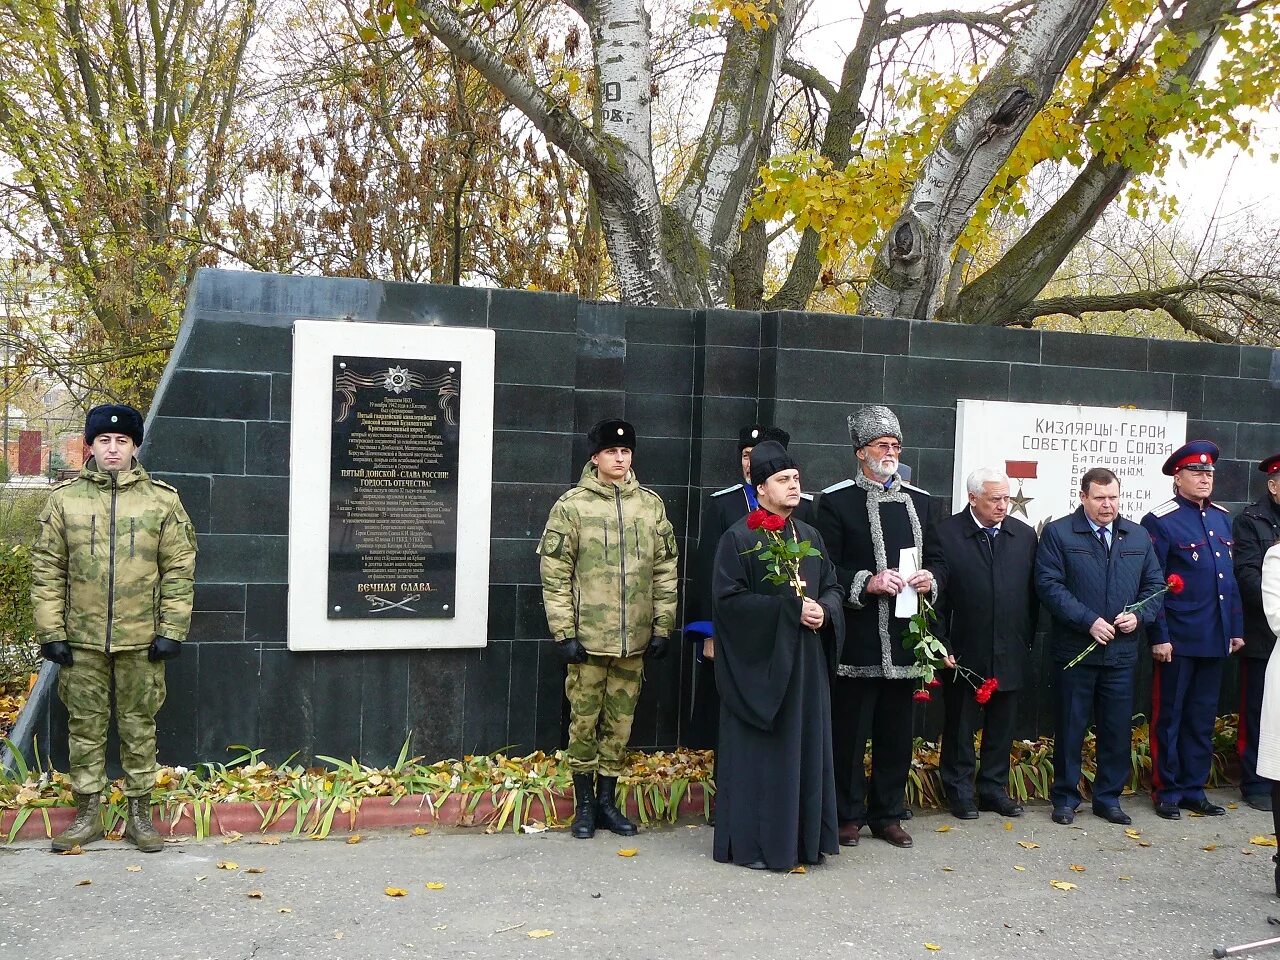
(1046, 447)
(390, 486)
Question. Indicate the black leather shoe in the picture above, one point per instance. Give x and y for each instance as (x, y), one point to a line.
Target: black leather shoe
(1064, 815)
(964, 811)
(894, 834)
(584, 806)
(1113, 815)
(1168, 811)
(1005, 806)
(1259, 801)
(1202, 806)
(756, 865)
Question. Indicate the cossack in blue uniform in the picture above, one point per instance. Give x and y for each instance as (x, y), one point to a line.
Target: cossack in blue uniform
(1193, 540)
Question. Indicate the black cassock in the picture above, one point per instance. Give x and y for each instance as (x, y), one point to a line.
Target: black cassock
(775, 782)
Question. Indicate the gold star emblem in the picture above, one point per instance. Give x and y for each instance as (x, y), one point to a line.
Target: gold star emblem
(1018, 503)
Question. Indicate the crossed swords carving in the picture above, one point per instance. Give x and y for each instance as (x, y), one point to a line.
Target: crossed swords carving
(382, 604)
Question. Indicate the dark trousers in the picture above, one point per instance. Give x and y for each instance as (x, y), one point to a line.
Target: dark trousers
(879, 710)
(1184, 705)
(964, 717)
(1106, 694)
(704, 716)
(1253, 675)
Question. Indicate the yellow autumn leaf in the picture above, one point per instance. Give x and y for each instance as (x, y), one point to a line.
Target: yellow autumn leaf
(134, 868)
(83, 883)
(945, 828)
(539, 934)
(419, 832)
(228, 865)
(256, 870)
(1209, 846)
(1008, 826)
(75, 851)
(1233, 806)
(1132, 834)
(395, 892)
(269, 841)
(628, 852)
(932, 946)
(1019, 867)
(799, 868)
(1263, 840)
(285, 910)
(948, 869)
(1062, 885)
(354, 838)
(255, 894)
(435, 885)
(1144, 843)
(232, 837)
(1077, 868)
(1126, 878)
(1028, 844)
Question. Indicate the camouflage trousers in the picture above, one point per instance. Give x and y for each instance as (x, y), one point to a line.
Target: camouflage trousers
(602, 703)
(86, 689)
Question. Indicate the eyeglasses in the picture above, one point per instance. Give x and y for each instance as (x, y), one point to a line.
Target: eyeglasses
(885, 447)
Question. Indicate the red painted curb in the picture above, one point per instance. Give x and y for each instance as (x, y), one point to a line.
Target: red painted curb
(373, 813)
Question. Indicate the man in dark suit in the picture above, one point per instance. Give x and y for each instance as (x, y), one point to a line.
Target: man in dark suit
(721, 511)
(1255, 530)
(866, 523)
(988, 611)
(1091, 566)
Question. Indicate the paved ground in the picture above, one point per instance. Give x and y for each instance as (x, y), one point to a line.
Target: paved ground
(959, 889)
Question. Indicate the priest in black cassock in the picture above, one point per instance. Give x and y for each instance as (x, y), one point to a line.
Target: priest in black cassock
(775, 655)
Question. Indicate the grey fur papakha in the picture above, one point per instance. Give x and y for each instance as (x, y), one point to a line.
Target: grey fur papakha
(129, 549)
(602, 697)
(609, 566)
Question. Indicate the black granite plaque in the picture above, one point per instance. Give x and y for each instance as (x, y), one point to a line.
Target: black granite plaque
(393, 488)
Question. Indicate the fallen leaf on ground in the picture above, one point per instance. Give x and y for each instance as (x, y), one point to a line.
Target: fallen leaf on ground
(537, 826)
(441, 926)
(201, 877)
(228, 865)
(1019, 867)
(945, 828)
(256, 870)
(628, 852)
(1247, 853)
(1262, 840)
(799, 868)
(435, 885)
(395, 892)
(83, 883)
(1028, 844)
(1077, 868)
(419, 832)
(948, 869)
(539, 934)
(932, 946)
(269, 841)
(232, 837)
(1062, 885)
(1008, 825)
(134, 868)
(1144, 843)
(1132, 834)
(1233, 806)
(1126, 878)
(337, 934)
(255, 894)
(75, 851)
(1209, 846)
(285, 910)
(354, 838)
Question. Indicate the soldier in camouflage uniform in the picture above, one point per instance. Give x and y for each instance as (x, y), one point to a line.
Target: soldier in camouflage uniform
(609, 587)
(112, 590)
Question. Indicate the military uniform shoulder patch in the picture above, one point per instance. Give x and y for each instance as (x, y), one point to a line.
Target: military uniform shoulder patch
(1164, 509)
(63, 483)
(162, 483)
(838, 486)
(806, 496)
(1219, 507)
(911, 486)
(653, 493)
(721, 493)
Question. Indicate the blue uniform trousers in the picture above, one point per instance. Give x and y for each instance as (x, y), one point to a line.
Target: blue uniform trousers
(1253, 674)
(1104, 693)
(1184, 705)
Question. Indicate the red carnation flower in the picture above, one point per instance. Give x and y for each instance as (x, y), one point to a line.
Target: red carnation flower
(756, 517)
(924, 696)
(1175, 583)
(995, 684)
(982, 694)
(773, 523)
(935, 682)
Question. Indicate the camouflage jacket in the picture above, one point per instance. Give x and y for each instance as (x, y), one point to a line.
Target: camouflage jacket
(609, 566)
(115, 562)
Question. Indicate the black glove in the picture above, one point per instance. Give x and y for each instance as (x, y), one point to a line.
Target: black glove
(162, 648)
(657, 647)
(572, 650)
(57, 651)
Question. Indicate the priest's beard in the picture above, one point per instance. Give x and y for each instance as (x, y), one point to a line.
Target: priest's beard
(882, 469)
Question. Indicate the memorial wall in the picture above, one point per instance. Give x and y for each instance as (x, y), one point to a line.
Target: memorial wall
(369, 466)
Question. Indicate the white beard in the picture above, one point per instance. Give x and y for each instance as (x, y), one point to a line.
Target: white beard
(884, 468)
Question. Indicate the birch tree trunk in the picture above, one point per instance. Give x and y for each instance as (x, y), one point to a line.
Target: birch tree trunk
(976, 143)
(1003, 293)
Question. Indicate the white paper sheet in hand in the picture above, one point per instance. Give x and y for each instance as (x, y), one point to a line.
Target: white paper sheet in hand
(908, 565)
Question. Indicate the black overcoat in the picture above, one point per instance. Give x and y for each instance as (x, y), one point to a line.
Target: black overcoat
(988, 605)
(1255, 531)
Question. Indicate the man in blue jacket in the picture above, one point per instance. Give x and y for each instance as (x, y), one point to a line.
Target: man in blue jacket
(1194, 634)
(1090, 567)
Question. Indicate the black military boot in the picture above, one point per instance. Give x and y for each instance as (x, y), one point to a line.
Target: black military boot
(138, 828)
(584, 812)
(607, 812)
(87, 826)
